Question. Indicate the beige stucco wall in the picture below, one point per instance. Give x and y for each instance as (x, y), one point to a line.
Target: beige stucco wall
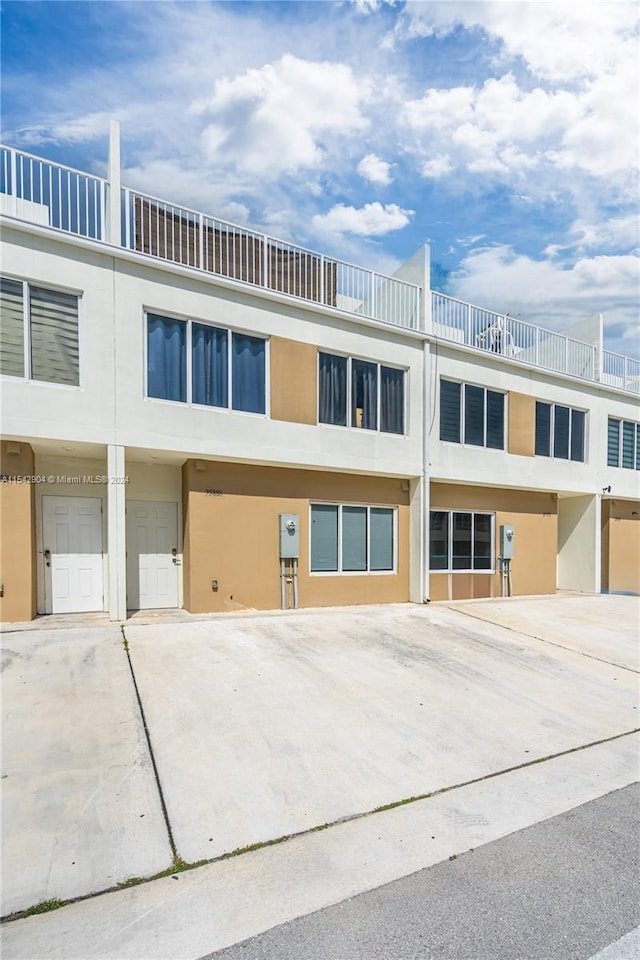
(621, 546)
(233, 536)
(294, 375)
(17, 535)
(522, 426)
(534, 516)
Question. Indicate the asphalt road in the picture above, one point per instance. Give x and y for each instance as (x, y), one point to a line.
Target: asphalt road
(563, 889)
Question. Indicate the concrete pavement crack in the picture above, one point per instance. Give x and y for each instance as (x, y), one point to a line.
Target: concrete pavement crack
(533, 636)
(165, 812)
(184, 867)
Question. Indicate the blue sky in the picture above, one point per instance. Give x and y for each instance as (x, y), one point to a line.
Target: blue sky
(504, 134)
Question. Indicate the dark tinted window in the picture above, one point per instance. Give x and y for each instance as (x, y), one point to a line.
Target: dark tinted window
(561, 432)
(474, 415)
(577, 435)
(450, 411)
(543, 429)
(613, 443)
(495, 420)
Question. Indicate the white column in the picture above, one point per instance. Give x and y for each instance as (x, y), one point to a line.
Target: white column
(116, 534)
(113, 219)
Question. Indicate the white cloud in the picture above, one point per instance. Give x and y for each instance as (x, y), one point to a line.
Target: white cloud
(557, 41)
(375, 170)
(371, 6)
(278, 118)
(371, 220)
(436, 168)
(549, 293)
(90, 126)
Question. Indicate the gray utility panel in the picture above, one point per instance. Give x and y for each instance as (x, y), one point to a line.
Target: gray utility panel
(289, 536)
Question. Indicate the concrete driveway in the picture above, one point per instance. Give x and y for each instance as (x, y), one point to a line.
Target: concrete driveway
(80, 805)
(266, 725)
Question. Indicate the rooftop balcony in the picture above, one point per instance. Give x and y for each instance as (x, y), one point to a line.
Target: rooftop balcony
(46, 193)
(507, 336)
(38, 191)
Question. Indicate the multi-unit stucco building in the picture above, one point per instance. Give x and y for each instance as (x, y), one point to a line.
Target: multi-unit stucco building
(197, 415)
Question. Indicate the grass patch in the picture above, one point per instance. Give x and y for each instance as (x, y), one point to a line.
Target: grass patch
(44, 907)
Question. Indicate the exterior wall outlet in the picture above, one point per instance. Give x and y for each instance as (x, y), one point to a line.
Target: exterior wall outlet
(214, 586)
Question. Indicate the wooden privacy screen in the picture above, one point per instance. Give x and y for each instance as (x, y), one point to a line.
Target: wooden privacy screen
(230, 252)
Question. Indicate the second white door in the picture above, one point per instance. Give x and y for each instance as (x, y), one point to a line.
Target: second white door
(152, 555)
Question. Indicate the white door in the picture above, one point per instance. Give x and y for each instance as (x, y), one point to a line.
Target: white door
(72, 544)
(152, 555)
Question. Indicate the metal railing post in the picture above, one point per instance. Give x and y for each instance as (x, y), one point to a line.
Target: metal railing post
(321, 289)
(112, 220)
(14, 175)
(265, 262)
(201, 241)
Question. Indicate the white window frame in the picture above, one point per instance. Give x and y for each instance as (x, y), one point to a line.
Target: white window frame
(620, 421)
(26, 333)
(356, 573)
(462, 442)
(552, 426)
(349, 357)
(473, 513)
(189, 402)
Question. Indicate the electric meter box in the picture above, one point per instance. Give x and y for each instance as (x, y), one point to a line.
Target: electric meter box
(507, 541)
(289, 536)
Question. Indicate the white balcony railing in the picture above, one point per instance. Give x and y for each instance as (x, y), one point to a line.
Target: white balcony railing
(39, 191)
(47, 193)
(176, 233)
(501, 334)
(620, 371)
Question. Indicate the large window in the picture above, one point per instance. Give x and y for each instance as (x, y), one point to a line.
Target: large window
(352, 539)
(560, 432)
(38, 333)
(461, 541)
(623, 444)
(359, 393)
(470, 414)
(196, 363)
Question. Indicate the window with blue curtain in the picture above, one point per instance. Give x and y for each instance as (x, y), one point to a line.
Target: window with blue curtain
(364, 394)
(450, 409)
(638, 446)
(391, 400)
(166, 358)
(248, 373)
(209, 365)
(354, 538)
(332, 389)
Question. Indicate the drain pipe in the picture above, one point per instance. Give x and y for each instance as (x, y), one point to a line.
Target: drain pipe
(424, 533)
